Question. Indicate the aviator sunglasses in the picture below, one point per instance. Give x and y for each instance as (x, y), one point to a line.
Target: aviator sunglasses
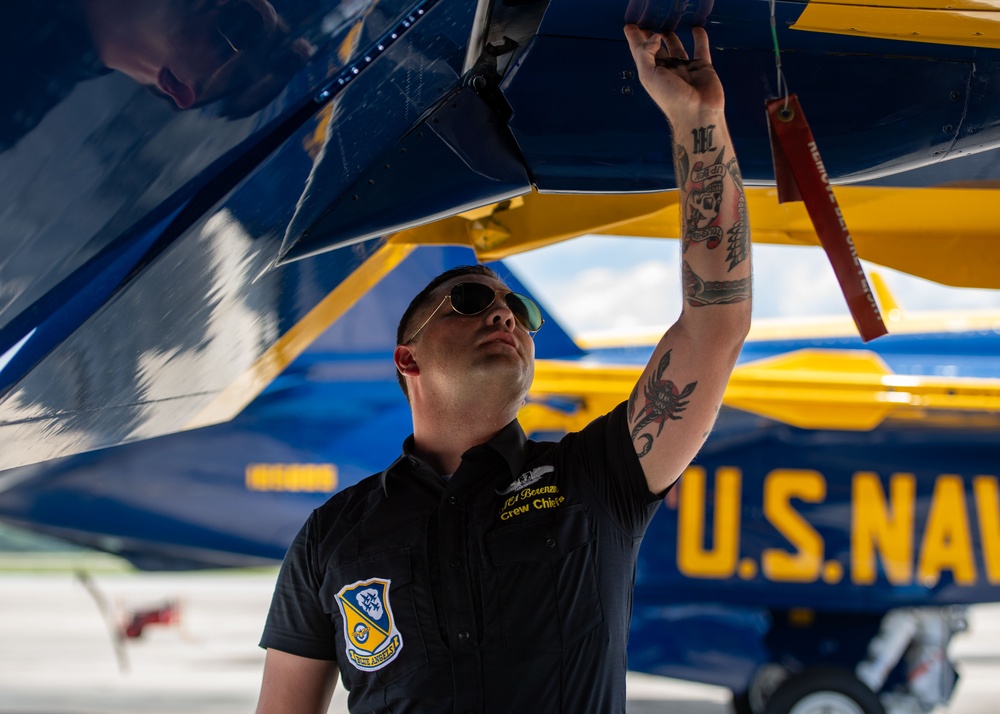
(474, 298)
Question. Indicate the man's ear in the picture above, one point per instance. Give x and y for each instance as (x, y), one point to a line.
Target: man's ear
(405, 362)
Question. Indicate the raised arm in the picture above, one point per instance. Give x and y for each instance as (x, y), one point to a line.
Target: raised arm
(673, 406)
(296, 685)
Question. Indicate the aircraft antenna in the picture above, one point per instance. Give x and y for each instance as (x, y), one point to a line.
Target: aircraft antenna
(782, 84)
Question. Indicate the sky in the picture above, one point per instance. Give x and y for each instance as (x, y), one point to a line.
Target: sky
(599, 284)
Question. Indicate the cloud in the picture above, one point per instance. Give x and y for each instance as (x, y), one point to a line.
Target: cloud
(602, 283)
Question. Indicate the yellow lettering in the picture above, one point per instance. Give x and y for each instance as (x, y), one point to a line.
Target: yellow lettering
(523, 508)
(780, 486)
(693, 559)
(294, 477)
(291, 477)
(273, 479)
(988, 508)
(879, 527)
(328, 478)
(252, 477)
(946, 542)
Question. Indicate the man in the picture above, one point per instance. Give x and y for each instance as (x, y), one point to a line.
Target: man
(482, 572)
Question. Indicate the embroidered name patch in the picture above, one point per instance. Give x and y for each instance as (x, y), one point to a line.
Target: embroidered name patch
(526, 496)
(372, 638)
(526, 479)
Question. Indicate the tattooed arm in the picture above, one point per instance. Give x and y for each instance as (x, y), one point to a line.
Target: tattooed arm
(673, 406)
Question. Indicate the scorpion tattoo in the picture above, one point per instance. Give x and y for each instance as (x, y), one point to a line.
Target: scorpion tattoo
(663, 402)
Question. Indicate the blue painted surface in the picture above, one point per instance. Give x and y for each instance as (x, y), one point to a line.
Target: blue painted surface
(579, 112)
(189, 313)
(929, 354)
(180, 501)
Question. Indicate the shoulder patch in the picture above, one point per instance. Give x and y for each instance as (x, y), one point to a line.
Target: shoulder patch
(527, 478)
(369, 629)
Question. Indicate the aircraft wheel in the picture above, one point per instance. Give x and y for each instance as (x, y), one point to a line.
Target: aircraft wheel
(763, 684)
(824, 691)
(741, 703)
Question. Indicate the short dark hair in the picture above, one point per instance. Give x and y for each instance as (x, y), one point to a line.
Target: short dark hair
(423, 297)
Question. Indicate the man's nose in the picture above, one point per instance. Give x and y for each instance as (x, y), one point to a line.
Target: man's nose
(500, 314)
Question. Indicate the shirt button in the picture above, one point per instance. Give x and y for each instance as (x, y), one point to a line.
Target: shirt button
(452, 500)
(550, 542)
(463, 636)
(456, 563)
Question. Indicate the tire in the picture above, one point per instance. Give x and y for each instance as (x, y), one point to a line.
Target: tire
(740, 703)
(824, 691)
(764, 682)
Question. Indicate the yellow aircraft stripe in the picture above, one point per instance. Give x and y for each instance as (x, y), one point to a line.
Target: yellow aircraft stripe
(244, 389)
(934, 233)
(973, 23)
(813, 389)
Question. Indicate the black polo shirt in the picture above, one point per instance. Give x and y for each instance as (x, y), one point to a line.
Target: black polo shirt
(506, 588)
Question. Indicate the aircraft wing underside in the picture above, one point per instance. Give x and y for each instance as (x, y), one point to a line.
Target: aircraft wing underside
(162, 260)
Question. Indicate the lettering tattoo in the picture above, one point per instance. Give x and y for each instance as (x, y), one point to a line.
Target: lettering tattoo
(703, 139)
(663, 402)
(698, 292)
(703, 203)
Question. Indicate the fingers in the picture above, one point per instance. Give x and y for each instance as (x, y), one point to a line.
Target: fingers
(646, 44)
(702, 51)
(675, 47)
(635, 35)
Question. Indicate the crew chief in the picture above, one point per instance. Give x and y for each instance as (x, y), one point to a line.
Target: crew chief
(481, 571)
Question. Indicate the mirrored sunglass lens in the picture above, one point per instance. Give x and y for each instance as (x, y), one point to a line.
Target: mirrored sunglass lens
(471, 298)
(525, 311)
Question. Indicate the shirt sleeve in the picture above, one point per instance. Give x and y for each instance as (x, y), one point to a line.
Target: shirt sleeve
(615, 471)
(297, 622)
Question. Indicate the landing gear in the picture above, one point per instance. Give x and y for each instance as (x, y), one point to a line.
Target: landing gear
(765, 682)
(824, 690)
(904, 668)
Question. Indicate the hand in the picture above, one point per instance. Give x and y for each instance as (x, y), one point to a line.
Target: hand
(682, 88)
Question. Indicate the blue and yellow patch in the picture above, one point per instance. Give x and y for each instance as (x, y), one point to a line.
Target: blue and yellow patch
(369, 629)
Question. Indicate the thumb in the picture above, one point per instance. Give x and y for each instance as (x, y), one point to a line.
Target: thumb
(644, 45)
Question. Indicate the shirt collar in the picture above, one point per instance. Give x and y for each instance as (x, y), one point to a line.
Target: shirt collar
(509, 443)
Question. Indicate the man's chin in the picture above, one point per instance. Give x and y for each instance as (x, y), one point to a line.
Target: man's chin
(503, 375)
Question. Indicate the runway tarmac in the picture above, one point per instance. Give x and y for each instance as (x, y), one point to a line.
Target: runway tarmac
(56, 654)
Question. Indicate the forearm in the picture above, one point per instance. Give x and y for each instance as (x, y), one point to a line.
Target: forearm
(715, 231)
(673, 406)
(296, 685)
